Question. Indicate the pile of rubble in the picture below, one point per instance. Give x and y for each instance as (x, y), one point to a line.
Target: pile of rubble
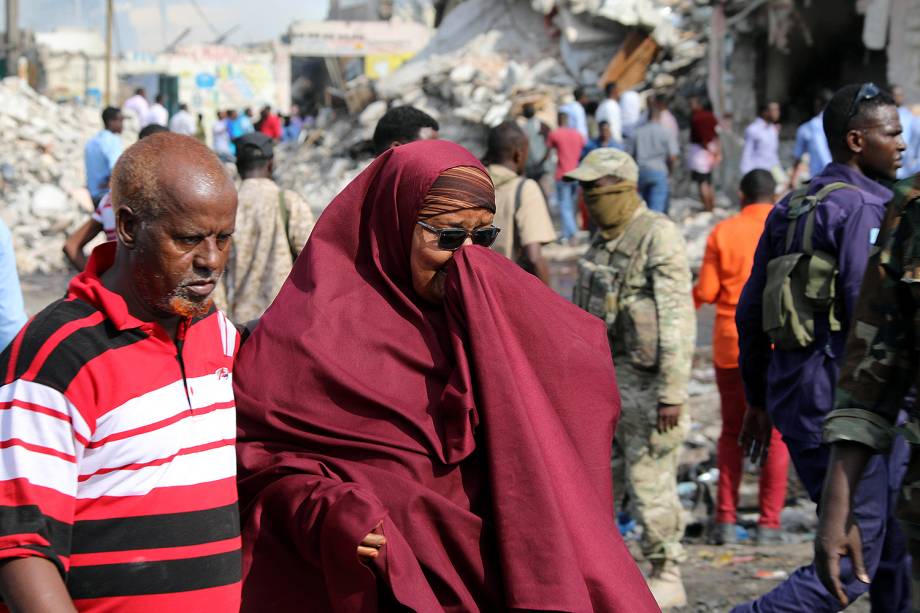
(42, 193)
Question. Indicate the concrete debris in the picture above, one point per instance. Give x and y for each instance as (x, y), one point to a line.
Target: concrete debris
(42, 183)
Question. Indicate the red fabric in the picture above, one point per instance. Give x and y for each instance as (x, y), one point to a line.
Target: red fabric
(479, 439)
(773, 474)
(568, 143)
(271, 126)
(703, 126)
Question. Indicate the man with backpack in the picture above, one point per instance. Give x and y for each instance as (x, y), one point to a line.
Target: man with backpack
(520, 207)
(635, 276)
(792, 320)
(272, 226)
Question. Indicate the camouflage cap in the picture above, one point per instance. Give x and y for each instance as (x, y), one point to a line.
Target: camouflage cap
(603, 162)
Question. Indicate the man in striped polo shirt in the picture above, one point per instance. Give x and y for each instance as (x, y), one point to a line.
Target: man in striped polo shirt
(117, 421)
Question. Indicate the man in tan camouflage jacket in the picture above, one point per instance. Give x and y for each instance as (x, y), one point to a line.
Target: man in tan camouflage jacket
(272, 226)
(636, 277)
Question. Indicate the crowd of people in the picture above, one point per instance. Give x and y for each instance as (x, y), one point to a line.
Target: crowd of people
(236, 406)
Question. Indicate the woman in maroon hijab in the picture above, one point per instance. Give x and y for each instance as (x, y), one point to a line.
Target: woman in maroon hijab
(422, 427)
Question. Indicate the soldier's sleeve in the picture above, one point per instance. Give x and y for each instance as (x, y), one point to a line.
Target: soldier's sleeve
(672, 284)
(300, 220)
(880, 356)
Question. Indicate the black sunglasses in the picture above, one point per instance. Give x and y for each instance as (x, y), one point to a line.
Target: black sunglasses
(451, 239)
(868, 91)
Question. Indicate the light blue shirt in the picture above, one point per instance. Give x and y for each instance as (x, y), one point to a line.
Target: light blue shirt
(12, 310)
(761, 147)
(577, 118)
(910, 132)
(810, 139)
(100, 155)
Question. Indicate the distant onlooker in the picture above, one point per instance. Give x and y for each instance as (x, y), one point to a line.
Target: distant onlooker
(705, 151)
(401, 125)
(761, 142)
(630, 113)
(520, 207)
(102, 218)
(272, 226)
(568, 143)
(655, 150)
(575, 111)
(158, 113)
(270, 123)
(536, 132)
(811, 140)
(234, 127)
(604, 139)
(12, 310)
(182, 122)
(220, 138)
(200, 133)
(910, 132)
(609, 110)
(245, 122)
(666, 117)
(138, 106)
(101, 153)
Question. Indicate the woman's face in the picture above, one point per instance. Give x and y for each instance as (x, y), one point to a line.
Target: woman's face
(428, 262)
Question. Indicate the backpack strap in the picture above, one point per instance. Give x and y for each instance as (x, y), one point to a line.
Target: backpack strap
(803, 204)
(517, 194)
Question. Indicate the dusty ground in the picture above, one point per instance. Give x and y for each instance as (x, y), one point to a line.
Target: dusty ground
(716, 578)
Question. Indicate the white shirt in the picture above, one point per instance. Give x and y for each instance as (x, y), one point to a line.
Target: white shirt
(138, 106)
(609, 111)
(630, 108)
(182, 123)
(158, 114)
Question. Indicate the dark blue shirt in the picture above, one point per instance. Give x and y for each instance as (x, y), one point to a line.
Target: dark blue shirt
(797, 387)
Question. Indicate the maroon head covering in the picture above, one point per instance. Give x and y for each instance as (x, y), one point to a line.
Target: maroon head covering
(477, 432)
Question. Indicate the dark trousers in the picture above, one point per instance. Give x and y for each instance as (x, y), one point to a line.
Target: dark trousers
(883, 543)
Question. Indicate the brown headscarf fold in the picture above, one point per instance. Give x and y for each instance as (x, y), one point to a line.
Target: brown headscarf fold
(463, 187)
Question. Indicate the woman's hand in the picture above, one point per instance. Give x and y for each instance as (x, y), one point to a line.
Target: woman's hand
(369, 548)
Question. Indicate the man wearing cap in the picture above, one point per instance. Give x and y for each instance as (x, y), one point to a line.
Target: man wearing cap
(636, 278)
(272, 226)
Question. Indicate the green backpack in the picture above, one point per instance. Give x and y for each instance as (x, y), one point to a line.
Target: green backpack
(801, 284)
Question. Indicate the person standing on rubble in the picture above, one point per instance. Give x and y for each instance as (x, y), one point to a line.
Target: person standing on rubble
(520, 207)
(655, 151)
(158, 113)
(705, 151)
(138, 106)
(609, 110)
(636, 277)
(182, 122)
(272, 227)
(726, 267)
(537, 132)
(402, 125)
(792, 320)
(568, 144)
(575, 111)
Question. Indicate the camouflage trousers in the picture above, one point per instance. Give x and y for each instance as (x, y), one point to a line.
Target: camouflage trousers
(645, 462)
(908, 512)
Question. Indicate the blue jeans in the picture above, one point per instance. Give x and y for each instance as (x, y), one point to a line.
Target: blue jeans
(653, 187)
(565, 197)
(883, 542)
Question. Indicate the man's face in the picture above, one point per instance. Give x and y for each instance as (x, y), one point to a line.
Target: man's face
(606, 135)
(773, 112)
(115, 125)
(876, 139)
(179, 256)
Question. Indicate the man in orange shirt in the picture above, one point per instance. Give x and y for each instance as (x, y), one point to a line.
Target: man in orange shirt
(726, 267)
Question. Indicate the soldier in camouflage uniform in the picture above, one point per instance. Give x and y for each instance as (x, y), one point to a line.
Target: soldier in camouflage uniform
(881, 365)
(272, 226)
(636, 277)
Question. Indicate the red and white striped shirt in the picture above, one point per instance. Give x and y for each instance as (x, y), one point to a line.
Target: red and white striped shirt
(117, 454)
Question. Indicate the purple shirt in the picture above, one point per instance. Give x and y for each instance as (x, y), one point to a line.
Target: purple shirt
(761, 146)
(797, 387)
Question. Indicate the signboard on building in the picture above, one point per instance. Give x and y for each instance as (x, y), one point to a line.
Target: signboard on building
(357, 38)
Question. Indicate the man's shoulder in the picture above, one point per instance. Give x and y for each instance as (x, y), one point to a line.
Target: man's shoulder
(906, 192)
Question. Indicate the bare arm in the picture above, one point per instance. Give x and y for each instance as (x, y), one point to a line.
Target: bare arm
(533, 254)
(34, 585)
(75, 243)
